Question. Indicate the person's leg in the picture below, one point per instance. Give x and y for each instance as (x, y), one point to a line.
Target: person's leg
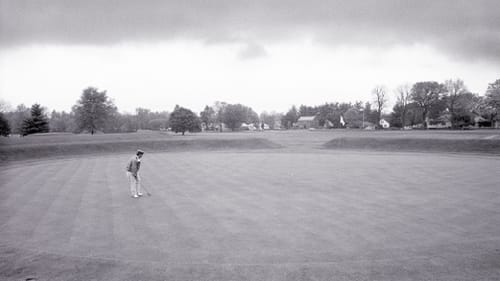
(138, 186)
(132, 182)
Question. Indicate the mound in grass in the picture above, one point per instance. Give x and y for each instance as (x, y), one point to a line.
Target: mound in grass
(37, 151)
(486, 146)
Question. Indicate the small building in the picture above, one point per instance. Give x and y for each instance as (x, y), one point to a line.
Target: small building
(480, 122)
(441, 122)
(248, 127)
(307, 122)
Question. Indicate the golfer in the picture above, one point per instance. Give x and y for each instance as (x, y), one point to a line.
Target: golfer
(133, 167)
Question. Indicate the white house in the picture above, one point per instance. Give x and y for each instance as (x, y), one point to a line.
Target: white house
(250, 127)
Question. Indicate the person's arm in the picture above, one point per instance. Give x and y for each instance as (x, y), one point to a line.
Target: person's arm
(129, 166)
(135, 165)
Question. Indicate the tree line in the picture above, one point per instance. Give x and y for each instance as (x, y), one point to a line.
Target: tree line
(94, 112)
(420, 104)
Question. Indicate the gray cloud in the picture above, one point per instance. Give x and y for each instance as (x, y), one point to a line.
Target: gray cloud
(461, 28)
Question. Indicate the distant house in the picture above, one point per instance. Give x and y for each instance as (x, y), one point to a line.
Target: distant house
(248, 127)
(442, 122)
(307, 122)
(480, 122)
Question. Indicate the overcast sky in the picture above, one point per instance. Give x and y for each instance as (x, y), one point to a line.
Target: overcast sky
(268, 55)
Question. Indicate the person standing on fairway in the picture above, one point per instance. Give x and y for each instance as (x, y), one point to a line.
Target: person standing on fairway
(133, 167)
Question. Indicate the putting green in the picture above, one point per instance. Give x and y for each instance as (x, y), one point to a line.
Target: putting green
(247, 216)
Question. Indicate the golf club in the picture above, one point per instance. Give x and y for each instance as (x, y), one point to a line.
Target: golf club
(147, 191)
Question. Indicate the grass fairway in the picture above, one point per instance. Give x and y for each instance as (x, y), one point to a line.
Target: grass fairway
(295, 211)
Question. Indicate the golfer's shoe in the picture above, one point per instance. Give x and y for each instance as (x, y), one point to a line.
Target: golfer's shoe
(140, 194)
(135, 196)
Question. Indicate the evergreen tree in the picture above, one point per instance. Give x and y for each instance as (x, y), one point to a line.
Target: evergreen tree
(37, 123)
(4, 126)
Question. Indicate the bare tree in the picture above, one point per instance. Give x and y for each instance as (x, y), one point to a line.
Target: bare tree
(219, 108)
(4, 106)
(403, 98)
(493, 100)
(380, 97)
(142, 116)
(454, 90)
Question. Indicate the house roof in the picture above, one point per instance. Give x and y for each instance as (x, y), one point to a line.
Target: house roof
(306, 118)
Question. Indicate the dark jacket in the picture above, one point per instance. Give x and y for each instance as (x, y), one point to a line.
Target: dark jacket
(134, 165)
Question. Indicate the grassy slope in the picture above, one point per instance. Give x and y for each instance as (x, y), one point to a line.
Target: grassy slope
(65, 145)
(36, 147)
(486, 146)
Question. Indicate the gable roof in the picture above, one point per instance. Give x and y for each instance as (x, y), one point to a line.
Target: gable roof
(306, 118)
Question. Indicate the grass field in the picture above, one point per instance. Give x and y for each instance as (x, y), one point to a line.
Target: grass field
(264, 206)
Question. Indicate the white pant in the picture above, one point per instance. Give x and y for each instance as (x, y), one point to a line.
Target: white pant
(135, 184)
